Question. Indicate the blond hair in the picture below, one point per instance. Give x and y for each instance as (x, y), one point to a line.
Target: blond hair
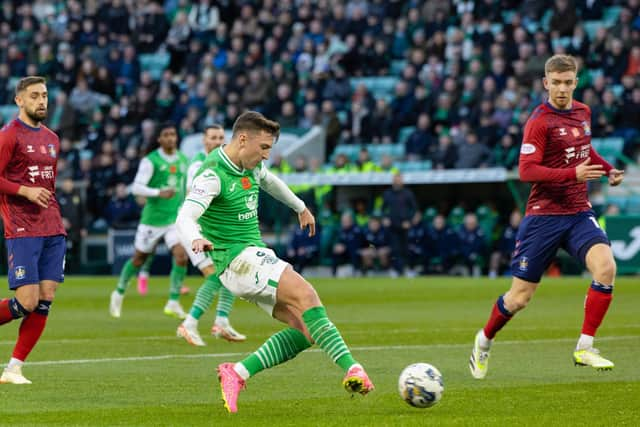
(560, 63)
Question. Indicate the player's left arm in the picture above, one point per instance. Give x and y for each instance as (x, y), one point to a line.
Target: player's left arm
(280, 191)
(615, 175)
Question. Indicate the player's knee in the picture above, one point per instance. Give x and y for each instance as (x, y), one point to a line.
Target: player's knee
(605, 270)
(516, 302)
(26, 305)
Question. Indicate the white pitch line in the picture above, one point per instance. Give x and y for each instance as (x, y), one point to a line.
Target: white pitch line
(355, 348)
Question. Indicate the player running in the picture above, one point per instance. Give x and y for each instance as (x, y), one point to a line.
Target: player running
(188, 329)
(161, 179)
(220, 214)
(35, 236)
(557, 157)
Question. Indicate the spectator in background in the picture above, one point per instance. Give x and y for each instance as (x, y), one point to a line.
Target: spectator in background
(417, 238)
(472, 245)
(376, 246)
(359, 127)
(72, 210)
(506, 153)
(501, 256)
(303, 250)
(382, 132)
(472, 154)
(347, 244)
(445, 154)
(122, 211)
(331, 125)
(441, 245)
(421, 143)
(398, 207)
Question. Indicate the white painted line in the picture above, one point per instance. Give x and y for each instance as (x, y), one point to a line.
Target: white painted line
(315, 350)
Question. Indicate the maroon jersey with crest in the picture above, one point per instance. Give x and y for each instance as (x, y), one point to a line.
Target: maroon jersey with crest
(28, 156)
(554, 143)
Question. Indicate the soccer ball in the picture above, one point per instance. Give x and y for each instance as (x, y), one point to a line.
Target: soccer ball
(421, 385)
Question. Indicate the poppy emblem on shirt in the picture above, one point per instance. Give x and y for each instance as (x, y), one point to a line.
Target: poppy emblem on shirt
(20, 272)
(246, 183)
(173, 169)
(586, 127)
(52, 150)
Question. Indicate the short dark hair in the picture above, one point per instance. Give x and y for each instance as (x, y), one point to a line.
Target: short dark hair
(25, 82)
(561, 63)
(252, 121)
(213, 126)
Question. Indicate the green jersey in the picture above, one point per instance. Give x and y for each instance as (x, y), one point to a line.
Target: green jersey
(159, 212)
(230, 220)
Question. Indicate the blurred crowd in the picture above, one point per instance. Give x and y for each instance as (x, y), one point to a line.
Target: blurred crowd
(466, 75)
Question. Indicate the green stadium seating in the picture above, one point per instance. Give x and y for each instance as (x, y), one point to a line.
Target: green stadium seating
(397, 66)
(611, 15)
(413, 166)
(380, 87)
(8, 112)
(154, 63)
(608, 148)
(404, 133)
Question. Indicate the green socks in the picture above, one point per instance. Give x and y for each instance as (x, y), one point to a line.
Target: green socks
(146, 266)
(128, 271)
(327, 336)
(205, 295)
(176, 277)
(279, 348)
(225, 301)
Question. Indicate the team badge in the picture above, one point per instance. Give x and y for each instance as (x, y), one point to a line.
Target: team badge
(586, 127)
(20, 272)
(246, 183)
(523, 265)
(52, 150)
(251, 201)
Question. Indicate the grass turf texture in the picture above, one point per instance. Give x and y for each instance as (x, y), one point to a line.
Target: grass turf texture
(90, 369)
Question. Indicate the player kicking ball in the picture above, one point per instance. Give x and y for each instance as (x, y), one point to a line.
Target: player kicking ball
(220, 216)
(557, 157)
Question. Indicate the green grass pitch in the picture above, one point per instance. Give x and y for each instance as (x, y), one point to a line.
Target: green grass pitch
(92, 370)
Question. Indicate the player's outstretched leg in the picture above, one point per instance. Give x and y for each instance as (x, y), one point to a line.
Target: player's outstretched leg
(143, 275)
(479, 360)
(188, 329)
(327, 336)
(222, 327)
(176, 277)
(117, 296)
(280, 347)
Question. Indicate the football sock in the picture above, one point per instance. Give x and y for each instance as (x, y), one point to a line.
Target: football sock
(327, 336)
(205, 295)
(11, 309)
(499, 317)
(176, 277)
(225, 301)
(128, 271)
(279, 348)
(30, 330)
(595, 307)
(145, 268)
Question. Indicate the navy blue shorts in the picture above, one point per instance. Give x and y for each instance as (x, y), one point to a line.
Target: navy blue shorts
(540, 236)
(32, 259)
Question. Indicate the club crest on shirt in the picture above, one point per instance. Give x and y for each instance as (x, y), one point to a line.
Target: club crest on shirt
(523, 264)
(52, 150)
(586, 127)
(20, 272)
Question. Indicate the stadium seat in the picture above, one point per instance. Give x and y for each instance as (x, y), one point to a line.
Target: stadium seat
(608, 148)
(619, 201)
(380, 87)
(591, 28)
(456, 216)
(633, 205)
(429, 214)
(397, 66)
(413, 166)
(377, 151)
(404, 133)
(154, 63)
(610, 15)
(8, 112)
(349, 150)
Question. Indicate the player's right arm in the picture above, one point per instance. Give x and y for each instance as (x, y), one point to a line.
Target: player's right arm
(38, 195)
(532, 152)
(204, 189)
(140, 185)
